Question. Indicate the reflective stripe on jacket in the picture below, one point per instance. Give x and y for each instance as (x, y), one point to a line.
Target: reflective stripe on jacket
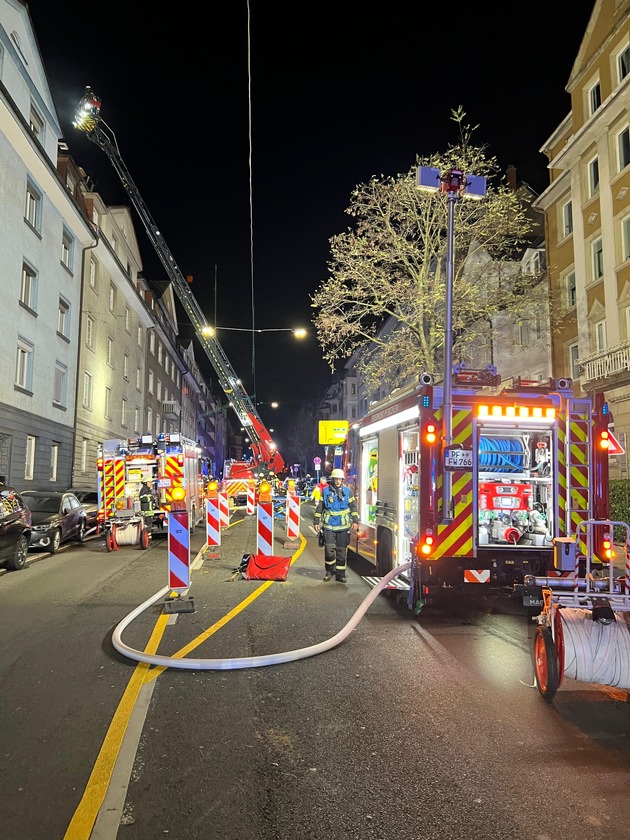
(335, 513)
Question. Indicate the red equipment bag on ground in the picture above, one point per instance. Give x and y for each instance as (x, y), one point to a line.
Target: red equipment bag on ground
(267, 567)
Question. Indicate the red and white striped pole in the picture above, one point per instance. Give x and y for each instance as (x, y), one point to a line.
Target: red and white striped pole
(264, 541)
(224, 510)
(251, 498)
(293, 512)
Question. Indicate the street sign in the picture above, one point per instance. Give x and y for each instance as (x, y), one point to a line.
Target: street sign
(614, 447)
(317, 461)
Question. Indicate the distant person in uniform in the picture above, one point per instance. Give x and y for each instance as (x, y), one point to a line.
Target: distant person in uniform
(318, 489)
(148, 497)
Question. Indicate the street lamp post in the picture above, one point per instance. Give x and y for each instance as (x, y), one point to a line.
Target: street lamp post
(455, 185)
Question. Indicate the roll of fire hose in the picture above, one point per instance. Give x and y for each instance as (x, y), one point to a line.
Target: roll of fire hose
(594, 652)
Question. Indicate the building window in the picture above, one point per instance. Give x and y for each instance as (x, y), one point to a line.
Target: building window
(60, 384)
(84, 452)
(93, 273)
(597, 253)
(126, 366)
(152, 342)
(123, 412)
(63, 318)
(625, 239)
(574, 355)
(112, 297)
(29, 461)
(600, 335)
(158, 391)
(567, 219)
(150, 381)
(36, 124)
(28, 287)
(24, 365)
(128, 319)
(523, 340)
(623, 148)
(571, 292)
(623, 64)
(89, 332)
(136, 420)
(593, 176)
(158, 428)
(110, 351)
(594, 98)
(139, 336)
(160, 350)
(149, 419)
(88, 383)
(33, 208)
(66, 250)
(108, 402)
(54, 460)
(138, 378)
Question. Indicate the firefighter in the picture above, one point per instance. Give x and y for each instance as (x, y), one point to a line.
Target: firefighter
(148, 498)
(336, 514)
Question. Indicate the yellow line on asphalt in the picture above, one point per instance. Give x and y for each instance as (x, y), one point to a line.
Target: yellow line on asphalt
(86, 813)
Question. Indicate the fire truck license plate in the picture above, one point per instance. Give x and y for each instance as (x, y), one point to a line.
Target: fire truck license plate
(458, 459)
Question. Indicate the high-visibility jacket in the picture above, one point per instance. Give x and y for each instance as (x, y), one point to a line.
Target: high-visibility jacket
(337, 509)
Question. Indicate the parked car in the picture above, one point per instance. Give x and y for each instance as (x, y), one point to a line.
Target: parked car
(89, 503)
(57, 516)
(15, 528)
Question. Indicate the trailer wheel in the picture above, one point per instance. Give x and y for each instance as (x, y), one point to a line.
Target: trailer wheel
(384, 553)
(145, 537)
(546, 663)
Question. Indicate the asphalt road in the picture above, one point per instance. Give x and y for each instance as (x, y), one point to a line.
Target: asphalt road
(411, 728)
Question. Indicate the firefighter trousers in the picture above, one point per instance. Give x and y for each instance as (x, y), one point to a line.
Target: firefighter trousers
(336, 551)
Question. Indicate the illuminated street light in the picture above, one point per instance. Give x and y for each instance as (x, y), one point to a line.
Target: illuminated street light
(298, 332)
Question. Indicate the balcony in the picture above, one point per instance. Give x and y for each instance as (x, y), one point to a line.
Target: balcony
(171, 410)
(613, 363)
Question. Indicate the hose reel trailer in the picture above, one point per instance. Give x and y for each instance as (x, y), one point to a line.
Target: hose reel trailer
(583, 630)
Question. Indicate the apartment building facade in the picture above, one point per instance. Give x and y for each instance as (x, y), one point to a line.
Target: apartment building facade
(587, 211)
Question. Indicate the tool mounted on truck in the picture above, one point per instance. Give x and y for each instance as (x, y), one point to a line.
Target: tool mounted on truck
(88, 119)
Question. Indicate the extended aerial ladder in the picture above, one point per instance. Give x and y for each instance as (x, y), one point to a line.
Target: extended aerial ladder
(88, 119)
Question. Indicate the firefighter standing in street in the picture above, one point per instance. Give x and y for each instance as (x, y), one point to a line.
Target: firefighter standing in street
(336, 514)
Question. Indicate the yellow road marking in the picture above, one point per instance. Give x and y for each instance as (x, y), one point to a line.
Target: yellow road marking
(86, 813)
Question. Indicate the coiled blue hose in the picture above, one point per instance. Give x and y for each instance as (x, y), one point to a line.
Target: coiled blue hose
(501, 454)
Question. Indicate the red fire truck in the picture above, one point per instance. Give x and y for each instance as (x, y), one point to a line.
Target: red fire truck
(164, 463)
(525, 465)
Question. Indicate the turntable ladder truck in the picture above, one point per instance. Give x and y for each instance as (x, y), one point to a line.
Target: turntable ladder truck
(266, 456)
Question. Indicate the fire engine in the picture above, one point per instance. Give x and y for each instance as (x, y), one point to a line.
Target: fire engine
(526, 464)
(88, 119)
(164, 462)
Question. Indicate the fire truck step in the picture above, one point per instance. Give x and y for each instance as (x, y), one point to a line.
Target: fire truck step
(396, 583)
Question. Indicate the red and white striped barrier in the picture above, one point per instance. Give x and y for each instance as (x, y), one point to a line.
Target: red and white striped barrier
(178, 550)
(293, 516)
(224, 510)
(213, 524)
(265, 528)
(251, 499)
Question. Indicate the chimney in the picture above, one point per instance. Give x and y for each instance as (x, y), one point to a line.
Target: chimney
(510, 174)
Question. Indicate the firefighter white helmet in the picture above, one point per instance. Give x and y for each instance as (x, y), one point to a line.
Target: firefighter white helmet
(337, 474)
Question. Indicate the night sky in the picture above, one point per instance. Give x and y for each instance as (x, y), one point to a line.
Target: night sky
(339, 93)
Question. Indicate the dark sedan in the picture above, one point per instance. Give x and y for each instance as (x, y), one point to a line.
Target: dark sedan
(56, 518)
(89, 503)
